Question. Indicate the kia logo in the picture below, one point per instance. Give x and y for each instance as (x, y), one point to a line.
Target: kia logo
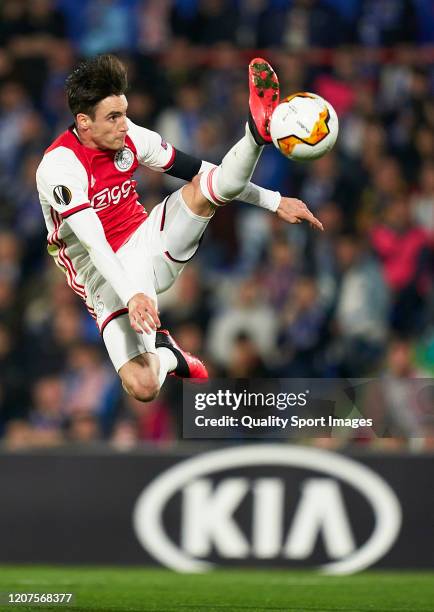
(207, 516)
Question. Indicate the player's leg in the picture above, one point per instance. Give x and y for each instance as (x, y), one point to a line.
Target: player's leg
(142, 361)
(220, 185)
(139, 377)
(141, 365)
(186, 214)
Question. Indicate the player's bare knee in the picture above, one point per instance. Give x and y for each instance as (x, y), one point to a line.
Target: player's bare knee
(196, 200)
(195, 181)
(145, 391)
(143, 386)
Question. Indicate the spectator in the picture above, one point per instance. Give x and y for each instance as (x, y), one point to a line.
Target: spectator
(302, 328)
(279, 273)
(125, 435)
(362, 308)
(249, 315)
(188, 300)
(12, 16)
(46, 415)
(27, 214)
(302, 24)
(323, 253)
(9, 308)
(386, 184)
(153, 25)
(398, 402)
(403, 251)
(340, 86)
(15, 109)
(10, 256)
(83, 428)
(89, 384)
(325, 182)
(378, 26)
(422, 204)
(154, 423)
(108, 25)
(179, 124)
(245, 360)
(216, 21)
(13, 394)
(18, 435)
(41, 26)
(60, 64)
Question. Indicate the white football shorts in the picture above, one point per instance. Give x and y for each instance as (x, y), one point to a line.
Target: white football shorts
(153, 257)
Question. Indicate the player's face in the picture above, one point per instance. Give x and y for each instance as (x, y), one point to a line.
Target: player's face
(108, 128)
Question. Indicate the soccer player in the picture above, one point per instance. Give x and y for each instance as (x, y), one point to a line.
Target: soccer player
(116, 256)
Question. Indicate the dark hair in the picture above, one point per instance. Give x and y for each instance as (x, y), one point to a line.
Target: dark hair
(94, 80)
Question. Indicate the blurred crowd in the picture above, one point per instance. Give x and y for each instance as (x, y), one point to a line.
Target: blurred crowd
(261, 298)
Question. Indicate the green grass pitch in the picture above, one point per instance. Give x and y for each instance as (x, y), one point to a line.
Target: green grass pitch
(101, 589)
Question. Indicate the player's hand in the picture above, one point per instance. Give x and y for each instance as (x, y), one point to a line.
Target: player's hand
(143, 314)
(292, 210)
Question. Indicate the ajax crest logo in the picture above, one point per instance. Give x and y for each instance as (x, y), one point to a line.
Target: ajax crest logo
(124, 159)
(242, 503)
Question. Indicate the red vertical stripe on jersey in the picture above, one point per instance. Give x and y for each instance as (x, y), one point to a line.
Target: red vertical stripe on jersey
(66, 261)
(67, 264)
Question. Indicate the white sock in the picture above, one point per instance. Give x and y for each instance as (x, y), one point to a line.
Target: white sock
(224, 183)
(168, 362)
